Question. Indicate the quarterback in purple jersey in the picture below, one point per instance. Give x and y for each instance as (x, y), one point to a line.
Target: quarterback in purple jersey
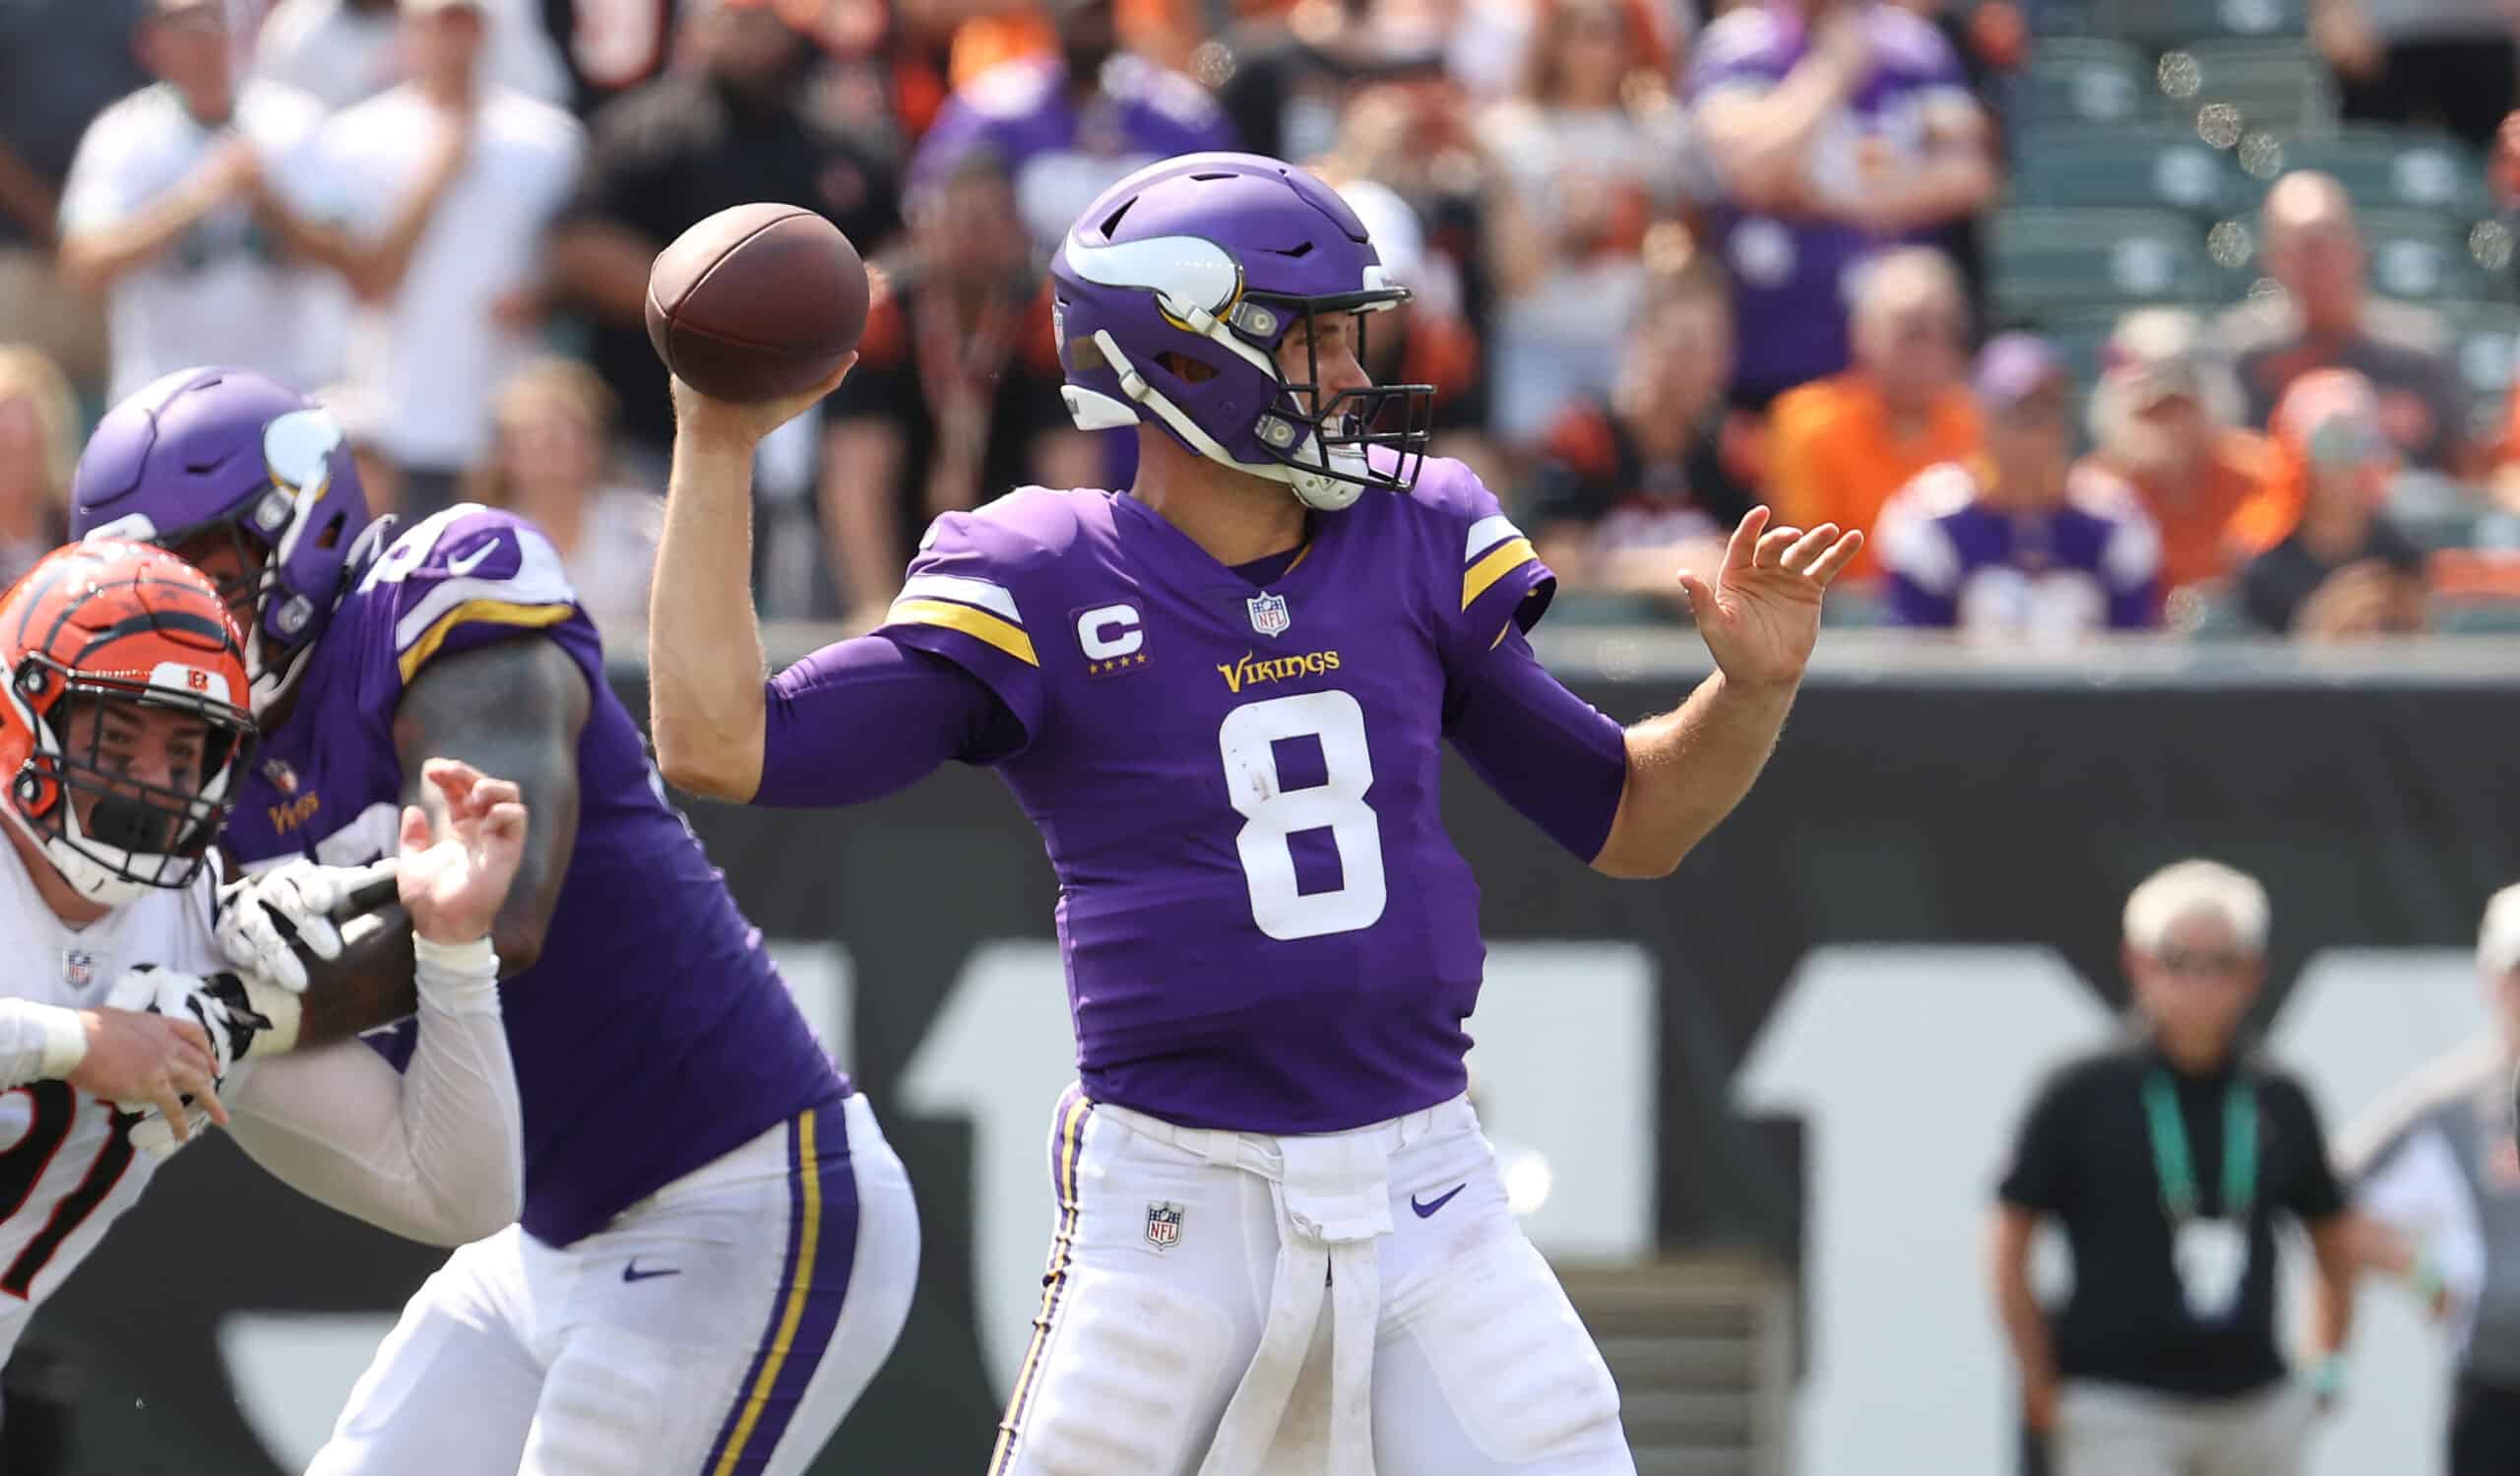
(1221, 697)
(717, 1246)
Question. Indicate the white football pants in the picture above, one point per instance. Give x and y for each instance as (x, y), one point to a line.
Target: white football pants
(719, 1327)
(1234, 1304)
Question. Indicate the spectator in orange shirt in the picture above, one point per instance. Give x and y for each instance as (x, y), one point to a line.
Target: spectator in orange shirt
(1840, 446)
(2161, 422)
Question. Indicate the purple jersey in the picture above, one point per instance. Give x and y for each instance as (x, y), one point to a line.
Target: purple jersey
(653, 1035)
(1265, 927)
(2093, 563)
(1792, 277)
(1062, 156)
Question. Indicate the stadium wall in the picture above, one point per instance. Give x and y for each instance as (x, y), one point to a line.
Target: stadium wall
(1809, 1045)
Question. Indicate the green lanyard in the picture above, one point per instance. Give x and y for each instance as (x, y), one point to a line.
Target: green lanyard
(2170, 1149)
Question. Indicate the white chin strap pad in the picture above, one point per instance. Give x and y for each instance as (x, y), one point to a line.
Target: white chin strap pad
(1311, 488)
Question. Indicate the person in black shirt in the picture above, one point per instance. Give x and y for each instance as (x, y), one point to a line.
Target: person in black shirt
(2166, 1160)
(2341, 571)
(955, 399)
(1659, 465)
(741, 127)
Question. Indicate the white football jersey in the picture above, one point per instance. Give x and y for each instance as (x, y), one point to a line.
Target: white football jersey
(66, 1170)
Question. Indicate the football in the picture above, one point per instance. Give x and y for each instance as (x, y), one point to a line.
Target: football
(757, 301)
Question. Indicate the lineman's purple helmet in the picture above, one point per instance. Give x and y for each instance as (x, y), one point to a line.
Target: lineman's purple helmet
(1203, 264)
(215, 453)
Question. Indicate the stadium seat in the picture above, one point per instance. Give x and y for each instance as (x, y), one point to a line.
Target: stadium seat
(2424, 255)
(2278, 85)
(2392, 168)
(2163, 24)
(2486, 337)
(2047, 260)
(2077, 82)
(2146, 168)
(2477, 616)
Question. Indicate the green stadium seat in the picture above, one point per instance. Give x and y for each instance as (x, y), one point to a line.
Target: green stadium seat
(2486, 339)
(2278, 85)
(2392, 168)
(2141, 168)
(2477, 616)
(2049, 260)
(2074, 82)
(2423, 255)
(2163, 24)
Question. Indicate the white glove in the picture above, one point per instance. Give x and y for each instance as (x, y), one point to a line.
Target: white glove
(217, 1005)
(264, 919)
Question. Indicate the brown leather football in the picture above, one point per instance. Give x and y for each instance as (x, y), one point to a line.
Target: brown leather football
(758, 301)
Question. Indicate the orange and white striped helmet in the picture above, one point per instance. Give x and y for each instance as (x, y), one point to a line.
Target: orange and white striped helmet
(94, 640)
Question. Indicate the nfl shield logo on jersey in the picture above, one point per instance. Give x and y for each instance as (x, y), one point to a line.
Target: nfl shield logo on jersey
(1164, 1221)
(1269, 615)
(77, 968)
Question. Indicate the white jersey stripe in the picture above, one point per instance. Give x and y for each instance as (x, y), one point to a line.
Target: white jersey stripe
(1487, 533)
(992, 598)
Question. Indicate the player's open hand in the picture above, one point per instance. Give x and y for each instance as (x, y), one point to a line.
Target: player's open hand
(138, 1061)
(455, 869)
(727, 423)
(1762, 614)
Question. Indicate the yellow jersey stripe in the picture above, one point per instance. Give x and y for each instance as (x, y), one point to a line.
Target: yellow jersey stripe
(1071, 1131)
(487, 611)
(1301, 554)
(979, 624)
(808, 1170)
(1506, 558)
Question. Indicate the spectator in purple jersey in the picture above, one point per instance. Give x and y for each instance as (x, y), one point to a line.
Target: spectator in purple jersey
(2007, 545)
(1071, 124)
(1834, 133)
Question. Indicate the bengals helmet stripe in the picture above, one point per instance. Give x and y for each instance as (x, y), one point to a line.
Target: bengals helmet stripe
(118, 624)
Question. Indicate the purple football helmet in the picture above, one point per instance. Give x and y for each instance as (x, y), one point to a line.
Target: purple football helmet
(211, 454)
(1205, 262)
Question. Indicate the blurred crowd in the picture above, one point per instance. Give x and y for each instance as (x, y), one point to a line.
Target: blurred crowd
(1668, 265)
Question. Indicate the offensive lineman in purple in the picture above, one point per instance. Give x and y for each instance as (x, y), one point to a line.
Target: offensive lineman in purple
(1836, 133)
(1220, 696)
(675, 1102)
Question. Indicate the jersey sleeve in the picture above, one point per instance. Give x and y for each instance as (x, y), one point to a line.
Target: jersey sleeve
(1502, 582)
(1743, 52)
(469, 577)
(965, 594)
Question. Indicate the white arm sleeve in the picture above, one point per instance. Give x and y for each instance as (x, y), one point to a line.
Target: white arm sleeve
(39, 1042)
(435, 1153)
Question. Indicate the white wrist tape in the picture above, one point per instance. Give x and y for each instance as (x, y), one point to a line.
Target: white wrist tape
(65, 1039)
(457, 978)
(283, 1008)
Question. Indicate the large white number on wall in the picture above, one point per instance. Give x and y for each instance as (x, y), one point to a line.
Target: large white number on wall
(1273, 814)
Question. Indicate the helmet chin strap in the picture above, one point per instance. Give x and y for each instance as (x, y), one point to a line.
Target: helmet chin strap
(1311, 488)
